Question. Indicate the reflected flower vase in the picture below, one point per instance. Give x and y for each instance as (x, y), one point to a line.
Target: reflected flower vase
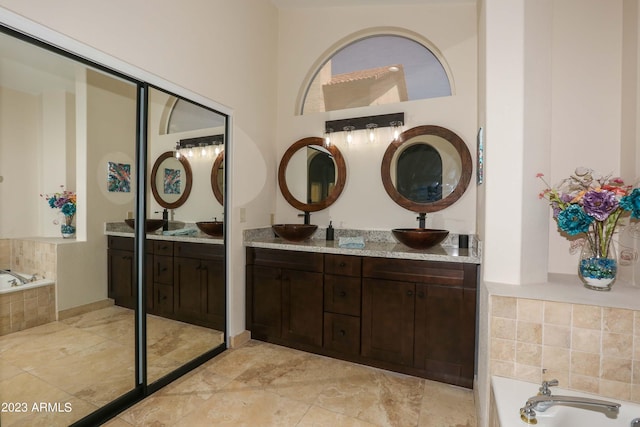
(596, 271)
(66, 228)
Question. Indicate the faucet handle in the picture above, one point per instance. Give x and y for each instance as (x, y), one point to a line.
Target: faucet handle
(544, 390)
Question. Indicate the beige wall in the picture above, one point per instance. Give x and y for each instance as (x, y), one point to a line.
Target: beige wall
(307, 36)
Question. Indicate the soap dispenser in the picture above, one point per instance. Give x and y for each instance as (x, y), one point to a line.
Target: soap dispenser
(165, 220)
(330, 231)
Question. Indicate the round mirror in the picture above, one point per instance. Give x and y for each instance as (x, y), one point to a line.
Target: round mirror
(311, 176)
(171, 180)
(426, 169)
(217, 177)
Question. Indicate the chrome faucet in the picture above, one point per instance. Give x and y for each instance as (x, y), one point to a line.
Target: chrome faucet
(21, 279)
(542, 403)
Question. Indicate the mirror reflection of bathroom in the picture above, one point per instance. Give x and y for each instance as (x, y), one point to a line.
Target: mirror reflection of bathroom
(311, 174)
(63, 123)
(186, 286)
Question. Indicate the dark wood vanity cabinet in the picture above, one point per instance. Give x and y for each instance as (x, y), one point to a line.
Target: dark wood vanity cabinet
(422, 315)
(411, 316)
(185, 281)
(284, 297)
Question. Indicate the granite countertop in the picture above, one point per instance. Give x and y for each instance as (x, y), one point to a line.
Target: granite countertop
(121, 229)
(377, 244)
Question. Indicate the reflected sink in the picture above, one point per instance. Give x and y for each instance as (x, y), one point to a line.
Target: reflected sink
(419, 238)
(294, 232)
(151, 224)
(212, 228)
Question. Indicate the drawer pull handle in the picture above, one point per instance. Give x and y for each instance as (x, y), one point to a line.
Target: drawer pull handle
(342, 264)
(342, 294)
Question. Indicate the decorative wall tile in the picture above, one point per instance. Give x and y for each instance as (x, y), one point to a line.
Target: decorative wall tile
(587, 348)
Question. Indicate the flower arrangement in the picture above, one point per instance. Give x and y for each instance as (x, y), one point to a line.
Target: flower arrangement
(589, 204)
(64, 200)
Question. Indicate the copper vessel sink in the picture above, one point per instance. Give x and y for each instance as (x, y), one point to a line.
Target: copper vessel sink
(151, 224)
(212, 228)
(419, 238)
(294, 232)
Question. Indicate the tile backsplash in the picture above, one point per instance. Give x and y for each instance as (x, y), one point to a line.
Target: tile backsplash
(587, 348)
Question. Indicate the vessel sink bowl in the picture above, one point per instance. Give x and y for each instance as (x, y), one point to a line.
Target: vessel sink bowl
(419, 238)
(151, 224)
(212, 228)
(294, 232)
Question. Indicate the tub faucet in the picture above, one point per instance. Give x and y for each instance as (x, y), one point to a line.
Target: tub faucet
(542, 403)
(21, 279)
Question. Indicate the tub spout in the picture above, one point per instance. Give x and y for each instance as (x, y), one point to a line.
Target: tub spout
(542, 403)
(21, 279)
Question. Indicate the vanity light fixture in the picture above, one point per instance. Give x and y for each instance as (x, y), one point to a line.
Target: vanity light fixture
(199, 146)
(327, 137)
(370, 124)
(349, 131)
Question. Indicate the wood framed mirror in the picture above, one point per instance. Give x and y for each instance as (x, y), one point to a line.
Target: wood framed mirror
(171, 180)
(426, 169)
(217, 178)
(311, 175)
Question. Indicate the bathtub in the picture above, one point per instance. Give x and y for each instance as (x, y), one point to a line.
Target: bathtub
(5, 283)
(509, 395)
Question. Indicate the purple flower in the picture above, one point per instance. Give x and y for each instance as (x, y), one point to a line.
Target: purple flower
(599, 204)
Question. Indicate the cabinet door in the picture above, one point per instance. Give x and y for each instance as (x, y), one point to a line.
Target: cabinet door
(264, 297)
(213, 283)
(121, 272)
(445, 333)
(302, 307)
(189, 297)
(387, 320)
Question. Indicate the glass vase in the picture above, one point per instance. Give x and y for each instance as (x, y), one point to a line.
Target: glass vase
(67, 228)
(598, 271)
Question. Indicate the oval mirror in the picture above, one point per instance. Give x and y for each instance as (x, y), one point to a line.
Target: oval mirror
(217, 177)
(311, 176)
(426, 169)
(171, 180)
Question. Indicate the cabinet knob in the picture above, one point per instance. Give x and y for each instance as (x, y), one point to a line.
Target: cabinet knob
(421, 294)
(342, 294)
(342, 264)
(343, 332)
(409, 293)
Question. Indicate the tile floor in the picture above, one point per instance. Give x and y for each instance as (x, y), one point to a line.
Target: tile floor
(261, 384)
(87, 360)
(258, 384)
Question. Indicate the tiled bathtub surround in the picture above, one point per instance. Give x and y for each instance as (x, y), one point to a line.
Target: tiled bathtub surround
(25, 309)
(587, 348)
(34, 257)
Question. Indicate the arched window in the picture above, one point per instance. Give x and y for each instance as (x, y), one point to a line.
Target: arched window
(376, 70)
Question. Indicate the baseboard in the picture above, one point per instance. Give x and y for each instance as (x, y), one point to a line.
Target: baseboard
(82, 309)
(240, 339)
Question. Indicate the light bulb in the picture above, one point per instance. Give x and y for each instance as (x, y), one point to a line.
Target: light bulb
(190, 152)
(349, 130)
(371, 127)
(327, 138)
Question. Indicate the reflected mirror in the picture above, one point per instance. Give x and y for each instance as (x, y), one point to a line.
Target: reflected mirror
(186, 288)
(426, 169)
(217, 178)
(171, 180)
(311, 175)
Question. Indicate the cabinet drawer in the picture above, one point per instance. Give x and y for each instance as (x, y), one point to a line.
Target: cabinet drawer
(342, 294)
(162, 247)
(430, 272)
(342, 333)
(345, 265)
(163, 269)
(199, 250)
(293, 260)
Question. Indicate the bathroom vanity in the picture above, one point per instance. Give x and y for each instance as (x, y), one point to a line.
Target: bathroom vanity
(185, 280)
(376, 307)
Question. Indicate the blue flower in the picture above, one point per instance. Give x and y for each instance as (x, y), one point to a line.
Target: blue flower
(68, 209)
(574, 220)
(632, 203)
